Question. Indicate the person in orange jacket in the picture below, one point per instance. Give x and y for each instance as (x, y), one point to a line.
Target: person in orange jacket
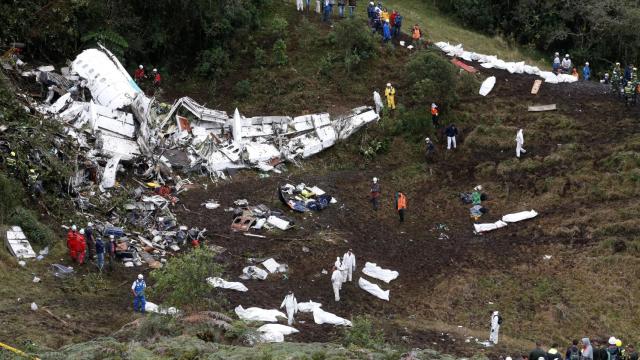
(435, 112)
(81, 247)
(401, 204)
(156, 78)
(71, 242)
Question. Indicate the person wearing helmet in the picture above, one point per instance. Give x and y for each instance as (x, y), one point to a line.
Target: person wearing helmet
(71, 242)
(137, 288)
(371, 13)
(430, 148)
(99, 249)
(157, 79)
(435, 113)
(81, 247)
(390, 94)
(375, 193)
(111, 250)
(606, 79)
(91, 244)
(386, 31)
(138, 75)
(613, 351)
(616, 79)
(401, 204)
(11, 160)
(586, 72)
(556, 63)
(566, 64)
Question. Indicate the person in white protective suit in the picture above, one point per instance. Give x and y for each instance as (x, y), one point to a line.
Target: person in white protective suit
(519, 143)
(300, 7)
(291, 305)
(336, 282)
(495, 327)
(349, 262)
(340, 267)
(377, 100)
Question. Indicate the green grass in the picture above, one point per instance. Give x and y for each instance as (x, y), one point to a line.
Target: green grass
(439, 27)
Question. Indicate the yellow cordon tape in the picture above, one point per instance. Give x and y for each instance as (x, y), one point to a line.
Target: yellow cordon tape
(16, 351)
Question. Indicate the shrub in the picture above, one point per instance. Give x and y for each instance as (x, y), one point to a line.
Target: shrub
(182, 282)
(34, 230)
(363, 334)
(432, 79)
(242, 88)
(354, 40)
(280, 53)
(279, 27)
(260, 57)
(11, 195)
(213, 63)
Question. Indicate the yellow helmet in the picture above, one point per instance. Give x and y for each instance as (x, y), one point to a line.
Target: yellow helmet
(618, 342)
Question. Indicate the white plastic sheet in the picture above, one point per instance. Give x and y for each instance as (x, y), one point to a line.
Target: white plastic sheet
(322, 317)
(489, 227)
(307, 307)
(219, 282)
(283, 329)
(376, 272)
(258, 314)
(373, 289)
(277, 222)
(487, 86)
(271, 265)
(523, 215)
(151, 307)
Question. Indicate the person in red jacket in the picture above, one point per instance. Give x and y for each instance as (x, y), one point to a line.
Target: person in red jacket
(71, 242)
(392, 19)
(139, 74)
(81, 247)
(156, 78)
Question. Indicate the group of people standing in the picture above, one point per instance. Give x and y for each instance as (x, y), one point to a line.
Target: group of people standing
(400, 199)
(342, 272)
(83, 246)
(584, 350)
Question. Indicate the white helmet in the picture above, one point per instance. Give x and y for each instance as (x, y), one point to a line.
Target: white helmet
(587, 63)
(557, 54)
(388, 84)
(81, 231)
(433, 105)
(111, 236)
(567, 56)
(375, 179)
(155, 70)
(140, 67)
(89, 224)
(73, 227)
(427, 139)
(140, 277)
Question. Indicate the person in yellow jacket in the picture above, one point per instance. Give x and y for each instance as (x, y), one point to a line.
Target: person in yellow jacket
(384, 15)
(390, 94)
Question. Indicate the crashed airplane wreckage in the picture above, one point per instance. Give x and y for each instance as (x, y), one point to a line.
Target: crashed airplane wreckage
(126, 125)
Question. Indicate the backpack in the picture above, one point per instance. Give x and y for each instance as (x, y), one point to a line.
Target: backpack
(613, 354)
(574, 354)
(499, 320)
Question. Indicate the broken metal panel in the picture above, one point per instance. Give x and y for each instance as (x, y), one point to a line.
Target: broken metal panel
(349, 124)
(109, 176)
(109, 83)
(260, 152)
(111, 145)
(18, 244)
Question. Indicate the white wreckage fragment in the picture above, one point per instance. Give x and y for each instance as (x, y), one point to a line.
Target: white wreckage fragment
(18, 245)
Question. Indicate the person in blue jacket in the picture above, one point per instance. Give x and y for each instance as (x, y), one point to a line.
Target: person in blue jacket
(586, 71)
(386, 31)
(137, 288)
(100, 253)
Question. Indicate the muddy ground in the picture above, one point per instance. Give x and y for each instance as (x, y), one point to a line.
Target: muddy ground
(414, 248)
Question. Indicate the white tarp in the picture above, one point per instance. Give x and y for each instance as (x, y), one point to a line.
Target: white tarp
(322, 317)
(376, 272)
(307, 307)
(109, 175)
(523, 215)
(108, 81)
(492, 62)
(373, 289)
(275, 332)
(151, 307)
(217, 282)
(489, 227)
(487, 86)
(277, 222)
(258, 314)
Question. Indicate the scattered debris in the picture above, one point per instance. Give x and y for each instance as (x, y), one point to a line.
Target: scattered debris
(547, 257)
(253, 272)
(219, 282)
(536, 87)
(36, 279)
(373, 289)
(151, 307)
(18, 245)
(258, 314)
(61, 271)
(463, 66)
(302, 198)
(34, 306)
(376, 272)
(211, 204)
(538, 108)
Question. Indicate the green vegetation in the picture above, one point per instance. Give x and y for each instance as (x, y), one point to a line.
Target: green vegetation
(181, 283)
